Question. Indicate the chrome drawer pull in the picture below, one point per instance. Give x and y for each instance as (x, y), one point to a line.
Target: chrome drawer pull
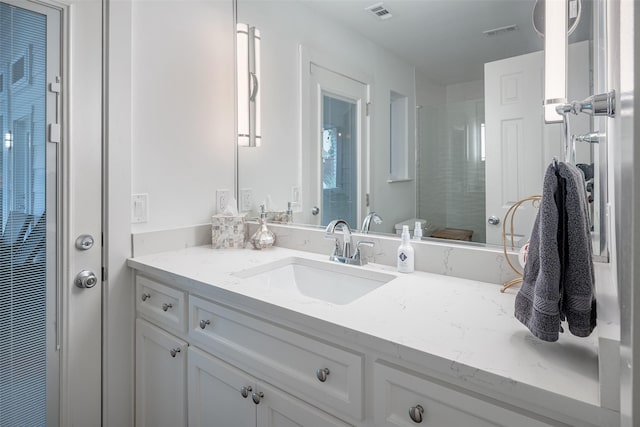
(322, 374)
(145, 297)
(415, 412)
(257, 397)
(245, 390)
(166, 306)
(174, 351)
(204, 323)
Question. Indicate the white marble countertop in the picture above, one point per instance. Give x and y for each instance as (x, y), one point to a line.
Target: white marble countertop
(463, 326)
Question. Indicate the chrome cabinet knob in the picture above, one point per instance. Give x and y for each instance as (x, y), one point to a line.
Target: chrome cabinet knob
(245, 390)
(415, 412)
(257, 397)
(493, 220)
(322, 374)
(174, 351)
(315, 211)
(204, 323)
(86, 279)
(145, 296)
(166, 306)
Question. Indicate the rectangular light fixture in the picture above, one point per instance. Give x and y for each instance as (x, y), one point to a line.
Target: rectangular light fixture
(248, 90)
(555, 58)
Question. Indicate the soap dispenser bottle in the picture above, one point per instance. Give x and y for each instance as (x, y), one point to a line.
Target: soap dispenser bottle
(263, 238)
(417, 231)
(406, 260)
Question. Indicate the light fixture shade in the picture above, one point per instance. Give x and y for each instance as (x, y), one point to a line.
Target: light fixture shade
(555, 58)
(248, 91)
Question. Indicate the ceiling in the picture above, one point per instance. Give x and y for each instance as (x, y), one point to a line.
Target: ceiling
(444, 38)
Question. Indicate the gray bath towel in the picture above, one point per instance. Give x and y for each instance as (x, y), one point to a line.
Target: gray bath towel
(558, 277)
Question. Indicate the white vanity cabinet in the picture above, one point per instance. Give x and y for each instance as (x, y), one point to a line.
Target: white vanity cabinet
(404, 398)
(161, 377)
(210, 359)
(222, 396)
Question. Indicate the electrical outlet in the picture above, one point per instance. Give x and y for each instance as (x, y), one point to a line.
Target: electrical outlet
(139, 208)
(222, 198)
(246, 199)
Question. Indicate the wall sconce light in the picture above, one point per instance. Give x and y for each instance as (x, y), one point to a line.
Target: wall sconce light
(248, 69)
(555, 59)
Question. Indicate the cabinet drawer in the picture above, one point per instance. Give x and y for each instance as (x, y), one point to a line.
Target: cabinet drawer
(284, 358)
(399, 392)
(161, 303)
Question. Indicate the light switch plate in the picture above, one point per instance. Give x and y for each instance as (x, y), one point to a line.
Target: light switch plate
(246, 199)
(139, 208)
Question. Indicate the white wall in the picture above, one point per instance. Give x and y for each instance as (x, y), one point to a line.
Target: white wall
(170, 125)
(274, 168)
(182, 108)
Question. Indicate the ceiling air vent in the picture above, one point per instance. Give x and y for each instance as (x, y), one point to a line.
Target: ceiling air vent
(501, 30)
(379, 11)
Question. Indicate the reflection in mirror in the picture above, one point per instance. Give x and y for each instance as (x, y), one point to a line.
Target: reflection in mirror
(449, 127)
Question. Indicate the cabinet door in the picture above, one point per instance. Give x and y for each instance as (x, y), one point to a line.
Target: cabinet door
(278, 409)
(215, 397)
(161, 373)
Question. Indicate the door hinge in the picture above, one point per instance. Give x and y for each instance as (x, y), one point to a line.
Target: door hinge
(367, 108)
(103, 274)
(366, 198)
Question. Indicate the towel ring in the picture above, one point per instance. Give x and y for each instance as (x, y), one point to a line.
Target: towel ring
(509, 217)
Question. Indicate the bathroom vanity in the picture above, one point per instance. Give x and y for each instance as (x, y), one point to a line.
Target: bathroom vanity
(229, 338)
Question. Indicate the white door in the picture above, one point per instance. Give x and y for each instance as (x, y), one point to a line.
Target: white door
(513, 134)
(219, 395)
(519, 147)
(335, 172)
(161, 377)
(278, 409)
(50, 116)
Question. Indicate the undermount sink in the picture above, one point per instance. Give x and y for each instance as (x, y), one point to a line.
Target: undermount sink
(324, 281)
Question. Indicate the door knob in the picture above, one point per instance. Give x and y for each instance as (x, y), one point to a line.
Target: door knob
(315, 210)
(85, 279)
(493, 220)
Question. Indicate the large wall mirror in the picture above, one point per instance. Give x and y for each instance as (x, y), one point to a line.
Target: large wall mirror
(416, 110)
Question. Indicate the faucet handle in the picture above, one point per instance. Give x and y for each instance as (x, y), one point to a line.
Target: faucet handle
(357, 256)
(364, 243)
(336, 249)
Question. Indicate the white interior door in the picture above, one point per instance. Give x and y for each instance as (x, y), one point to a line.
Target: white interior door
(338, 143)
(514, 140)
(519, 147)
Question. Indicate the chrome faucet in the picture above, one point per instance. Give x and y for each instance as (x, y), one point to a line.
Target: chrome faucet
(342, 253)
(366, 224)
(346, 237)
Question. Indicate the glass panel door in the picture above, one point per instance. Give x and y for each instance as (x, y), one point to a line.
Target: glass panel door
(28, 360)
(339, 159)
